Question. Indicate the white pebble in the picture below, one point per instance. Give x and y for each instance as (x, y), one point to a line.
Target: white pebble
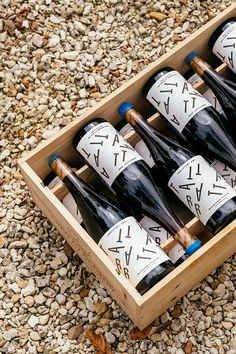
(70, 55)
(33, 321)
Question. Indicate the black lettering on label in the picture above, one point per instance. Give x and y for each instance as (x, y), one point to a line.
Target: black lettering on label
(199, 192)
(231, 59)
(172, 186)
(104, 173)
(158, 241)
(147, 250)
(96, 158)
(101, 136)
(142, 257)
(116, 140)
(96, 143)
(218, 186)
(229, 45)
(195, 93)
(198, 170)
(175, 120)
(171, 84)
(185, 87)
(124, 152)
(148, 239)
(157, 102)
(189, 200)
(225, 168)
(186, 106)
(155, 228)
(115, 249)
(190, 173)
(128, 232)
(197, 208)
(119, 268)
(126, 273)
(87, 153)
(222, 56)
(186, 186)
(193, 102)
(119, 237)
(126, 146)
(127, 256)
(116, 156)
(167, 105)
(104, 250)
(166, 91)
(233, 182)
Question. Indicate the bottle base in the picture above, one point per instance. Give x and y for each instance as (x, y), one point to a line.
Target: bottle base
(153, 277)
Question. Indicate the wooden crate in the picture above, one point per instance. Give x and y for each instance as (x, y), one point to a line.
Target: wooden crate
(141, 309)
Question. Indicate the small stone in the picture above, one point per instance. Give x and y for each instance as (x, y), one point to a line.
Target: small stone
(53, 41)
(79, 26)
(227, 325)
(10, 334)
(37, 40)
(219, 291)
(3, 228)
(70, 55)
(100, 308)
(30, 289)
(75, 331)
(89, 304)
(61, 299)
(62, 272)
(29, 301)
(60, 87)
(65, 319)
(18, 244)
(43, 320)
(55, 19)
(34, 336)
(15, 298)
(2, 314)
(2, 241)
(109, 19)
(41, 268)
(156, 337)
(157, 16)
(110, 338)
(33, 321)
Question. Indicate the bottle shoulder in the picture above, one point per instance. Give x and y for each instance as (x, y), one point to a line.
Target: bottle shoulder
(154, 78)
(220, 30)
(85, 129)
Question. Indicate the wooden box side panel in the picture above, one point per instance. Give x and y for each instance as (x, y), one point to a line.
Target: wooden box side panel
(117, 285)
(187, 275)
(130, 91)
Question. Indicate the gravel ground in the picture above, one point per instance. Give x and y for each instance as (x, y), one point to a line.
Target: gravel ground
(58, 57)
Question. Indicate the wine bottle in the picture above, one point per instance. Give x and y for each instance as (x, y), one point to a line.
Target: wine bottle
(225, 90)
(223, 43)
(124, 170)
(190, 114)
(193, 78)
(51, 181)
(119, 235)
(189, 176)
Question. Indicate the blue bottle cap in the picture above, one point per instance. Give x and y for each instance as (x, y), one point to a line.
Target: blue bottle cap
(124, 108)
(193, 247)
(190, 56)
(52, 158)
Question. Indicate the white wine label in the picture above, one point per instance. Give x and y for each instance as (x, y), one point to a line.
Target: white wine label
(194, 79)
(142, 149)
(200, 187)
(176, 99)
(158, 233)
(210, 96)
(175, 253)
(125, 130)
(107, 151)
(71, 205)
(225, 47)
(54, 182)
(226, 172)
(132, 250)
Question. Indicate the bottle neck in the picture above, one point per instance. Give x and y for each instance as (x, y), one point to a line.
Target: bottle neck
(204, 70)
